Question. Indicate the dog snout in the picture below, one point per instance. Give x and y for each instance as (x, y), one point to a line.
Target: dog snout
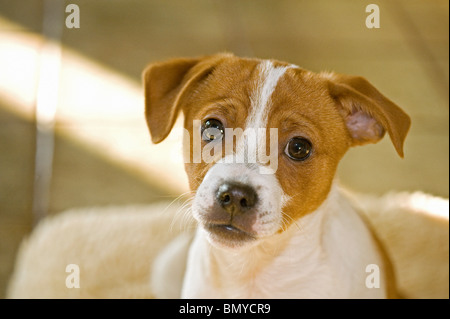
(236, 198)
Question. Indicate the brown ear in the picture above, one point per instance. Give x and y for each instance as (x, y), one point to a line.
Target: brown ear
(367, 113)
(165, 85)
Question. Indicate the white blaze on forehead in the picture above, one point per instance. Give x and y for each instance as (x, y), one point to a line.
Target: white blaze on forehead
(261, 97)
(260, 103)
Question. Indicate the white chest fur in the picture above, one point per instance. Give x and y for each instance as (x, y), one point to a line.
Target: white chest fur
(324, 255)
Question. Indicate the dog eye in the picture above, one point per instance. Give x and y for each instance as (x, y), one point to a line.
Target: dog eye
(298, 149)
(212, 129)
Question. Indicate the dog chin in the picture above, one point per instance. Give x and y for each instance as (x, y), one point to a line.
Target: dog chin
(228, 237)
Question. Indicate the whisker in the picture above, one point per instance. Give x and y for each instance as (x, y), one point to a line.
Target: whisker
(283, 214)
(182, 211)
(187, 222)
(178, 219)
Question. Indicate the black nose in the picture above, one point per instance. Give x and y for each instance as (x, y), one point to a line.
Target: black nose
(236, 197)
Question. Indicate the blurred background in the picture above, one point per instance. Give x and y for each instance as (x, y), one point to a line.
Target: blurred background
(72, 131)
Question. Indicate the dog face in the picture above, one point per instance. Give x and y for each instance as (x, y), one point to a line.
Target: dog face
(239, 111)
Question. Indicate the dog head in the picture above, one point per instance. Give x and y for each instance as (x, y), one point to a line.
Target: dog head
(270, 137)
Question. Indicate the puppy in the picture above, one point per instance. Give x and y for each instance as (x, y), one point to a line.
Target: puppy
(277, 225)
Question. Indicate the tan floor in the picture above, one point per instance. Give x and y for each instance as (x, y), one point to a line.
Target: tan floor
(103, 155)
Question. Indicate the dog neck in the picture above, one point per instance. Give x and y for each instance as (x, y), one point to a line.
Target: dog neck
(305, 251)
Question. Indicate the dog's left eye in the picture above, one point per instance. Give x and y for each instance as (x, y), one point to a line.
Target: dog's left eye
(212, 129)
(298, 148)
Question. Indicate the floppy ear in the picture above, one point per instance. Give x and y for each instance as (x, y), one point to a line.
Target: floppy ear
(165, 86)
(367, 113)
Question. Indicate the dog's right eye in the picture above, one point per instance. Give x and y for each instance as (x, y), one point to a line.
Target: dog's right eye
(212, 130)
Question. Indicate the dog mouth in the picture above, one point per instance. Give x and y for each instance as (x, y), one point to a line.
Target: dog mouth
(228, 233)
